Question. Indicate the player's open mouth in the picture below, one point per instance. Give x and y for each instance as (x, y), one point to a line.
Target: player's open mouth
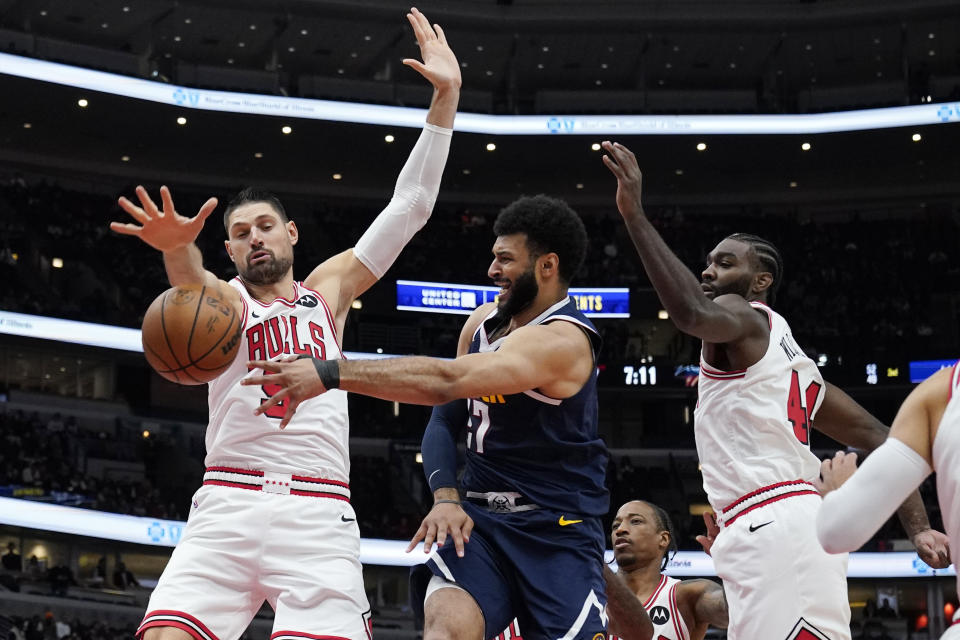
(504, 288)
(707, 290)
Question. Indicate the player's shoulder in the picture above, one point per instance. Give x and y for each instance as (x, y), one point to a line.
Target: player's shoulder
(936, 390)
(477, 316)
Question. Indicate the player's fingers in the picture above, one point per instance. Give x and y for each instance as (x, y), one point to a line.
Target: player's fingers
(136, 212)
(207, 209)
(254, 381)
(288, 416)
(613, 166)
(441, 36)
(429, 536)
(423, 23)
(467, 529)
(457, 540)
(417, 29)
(126, 229)
(271, 401)
(625, 150)
(267, 365)
(442, 534)
(417, 537)
(147, 202)
(416, 65)
(167, 198)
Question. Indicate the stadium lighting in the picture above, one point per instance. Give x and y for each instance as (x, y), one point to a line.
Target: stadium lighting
(82, 103)
(287, 129)
(491, 146)
(181, 121)
(701, 146)
(388, 138)
(916, 137)
(805, 146)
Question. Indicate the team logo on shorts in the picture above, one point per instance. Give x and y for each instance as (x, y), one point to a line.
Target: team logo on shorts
(659, 615)
(500, 504)
(803, 630)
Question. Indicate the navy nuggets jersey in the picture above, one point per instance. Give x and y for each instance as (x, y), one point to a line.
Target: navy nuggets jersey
(543, 448)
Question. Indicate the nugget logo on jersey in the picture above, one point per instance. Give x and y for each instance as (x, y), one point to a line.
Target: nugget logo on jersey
(659, 615)
(268, 339)
(493, 399)
(308, 300)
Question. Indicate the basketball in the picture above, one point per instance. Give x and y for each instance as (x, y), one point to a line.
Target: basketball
(191, 334)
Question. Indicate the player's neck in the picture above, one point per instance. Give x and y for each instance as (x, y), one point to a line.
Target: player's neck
(544, 300)
(644, 580)
(267, 293)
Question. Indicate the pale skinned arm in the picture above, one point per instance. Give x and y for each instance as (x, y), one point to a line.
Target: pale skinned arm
(844, 420)
(722, 320)
(343, 277)
(174, 236)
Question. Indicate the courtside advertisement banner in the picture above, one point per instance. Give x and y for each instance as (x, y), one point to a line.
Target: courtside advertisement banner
(166, 533)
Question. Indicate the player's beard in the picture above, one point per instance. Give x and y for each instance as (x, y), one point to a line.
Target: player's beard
(740, 287)
(269, 272)
(523, 291)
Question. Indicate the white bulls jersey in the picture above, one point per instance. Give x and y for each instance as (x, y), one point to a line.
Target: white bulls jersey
(662, 608)
(315, 441)
(752, 426)
(946, 461)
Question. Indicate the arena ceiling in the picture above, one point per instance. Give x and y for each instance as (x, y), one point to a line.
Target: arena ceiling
(520, 56)
(673, 57)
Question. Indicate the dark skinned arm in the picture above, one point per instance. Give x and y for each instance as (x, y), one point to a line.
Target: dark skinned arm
(707, 602)
(844, 420)
(628, 618)
(678, 288)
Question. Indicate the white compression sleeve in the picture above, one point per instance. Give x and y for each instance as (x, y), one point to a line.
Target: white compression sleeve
(855, 511)
(412, 202)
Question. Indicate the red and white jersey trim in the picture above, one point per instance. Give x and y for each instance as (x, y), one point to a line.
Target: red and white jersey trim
(282, 483)
(762, 497)
(179, 620)
(668, 623)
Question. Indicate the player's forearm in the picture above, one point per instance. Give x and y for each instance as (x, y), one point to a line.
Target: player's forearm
(711, 607)
(415, 380)
(185, 266)
(913, 515)
(443, 106)
(628, 618)
(678, 289)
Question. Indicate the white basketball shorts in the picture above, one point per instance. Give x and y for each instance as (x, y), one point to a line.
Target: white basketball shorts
(242, 547)
(779, 582)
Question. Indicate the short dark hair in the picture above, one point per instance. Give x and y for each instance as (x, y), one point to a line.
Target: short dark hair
(252, 194)
(551, 226)
(767, 256)
(664, 524)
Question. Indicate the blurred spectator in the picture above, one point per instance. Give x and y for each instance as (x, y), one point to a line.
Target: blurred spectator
(12, 561)
(123, 577)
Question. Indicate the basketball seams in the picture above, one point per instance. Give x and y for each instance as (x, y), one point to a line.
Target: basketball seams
(179, 365)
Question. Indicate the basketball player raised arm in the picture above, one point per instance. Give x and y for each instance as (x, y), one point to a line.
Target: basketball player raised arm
(735, 335)
(853, 512)
(251, 233)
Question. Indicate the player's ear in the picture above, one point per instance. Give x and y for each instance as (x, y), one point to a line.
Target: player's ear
(762, 281)
(226, 243)
(549, 265)
(292, 232)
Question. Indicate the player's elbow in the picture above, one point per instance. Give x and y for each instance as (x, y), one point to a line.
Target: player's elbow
(834, 537)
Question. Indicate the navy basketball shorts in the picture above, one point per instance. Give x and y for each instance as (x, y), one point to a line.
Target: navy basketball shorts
(542, 567)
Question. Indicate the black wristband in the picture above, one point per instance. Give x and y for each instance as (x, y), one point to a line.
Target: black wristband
(445, 501)
(329, 372)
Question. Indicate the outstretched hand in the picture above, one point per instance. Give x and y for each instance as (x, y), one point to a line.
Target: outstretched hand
(443, 517)
(298, 381)
(623, 164)
(713, 530)
(164, 230)
(439, 64)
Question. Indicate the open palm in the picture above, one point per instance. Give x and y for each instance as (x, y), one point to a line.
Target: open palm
(439, 64)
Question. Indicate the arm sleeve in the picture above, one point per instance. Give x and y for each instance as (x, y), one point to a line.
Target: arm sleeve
(411, 205)
(439, 446)
(855, 511)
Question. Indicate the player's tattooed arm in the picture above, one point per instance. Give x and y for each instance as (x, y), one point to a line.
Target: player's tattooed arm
(709, 602)
(628, 618)
(844, 420)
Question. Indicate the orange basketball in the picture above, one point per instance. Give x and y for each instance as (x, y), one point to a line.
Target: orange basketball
(191, 334)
